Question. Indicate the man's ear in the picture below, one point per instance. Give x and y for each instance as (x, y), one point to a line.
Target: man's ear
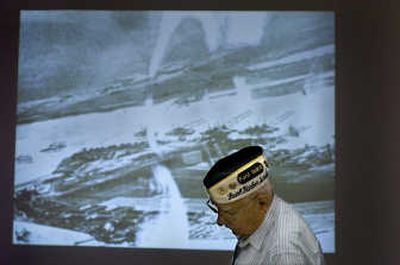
(263, 198)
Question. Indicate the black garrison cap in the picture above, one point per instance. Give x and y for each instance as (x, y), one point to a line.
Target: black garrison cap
(230, 163)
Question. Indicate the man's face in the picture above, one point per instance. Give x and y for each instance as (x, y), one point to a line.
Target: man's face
(242, 217)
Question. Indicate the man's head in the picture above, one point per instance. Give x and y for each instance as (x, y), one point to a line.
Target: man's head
(239, 187)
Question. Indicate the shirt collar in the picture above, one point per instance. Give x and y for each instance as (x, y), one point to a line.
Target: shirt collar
(256, 239)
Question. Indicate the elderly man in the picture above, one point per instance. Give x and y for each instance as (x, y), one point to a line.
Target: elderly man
(269, 231)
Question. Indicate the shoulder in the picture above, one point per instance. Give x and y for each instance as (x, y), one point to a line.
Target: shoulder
(294, 238)
(286, 258)
(290, 258)
(289, 220)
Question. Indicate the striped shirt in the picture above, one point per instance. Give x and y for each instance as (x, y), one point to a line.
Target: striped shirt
(283, 238)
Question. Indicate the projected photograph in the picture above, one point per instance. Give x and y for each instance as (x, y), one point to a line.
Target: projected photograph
(120, 114)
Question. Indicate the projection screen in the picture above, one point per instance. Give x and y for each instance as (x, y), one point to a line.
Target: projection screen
(121, 113)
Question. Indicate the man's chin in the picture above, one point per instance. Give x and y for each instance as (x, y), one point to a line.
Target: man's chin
(235, 233)
(232, 230)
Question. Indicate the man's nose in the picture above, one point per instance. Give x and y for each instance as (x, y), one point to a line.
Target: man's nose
(220, 220)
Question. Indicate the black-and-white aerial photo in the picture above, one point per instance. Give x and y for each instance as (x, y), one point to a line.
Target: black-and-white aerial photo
(120, 114)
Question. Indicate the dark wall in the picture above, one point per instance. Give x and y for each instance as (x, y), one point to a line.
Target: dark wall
(367, 129)
(368, 132)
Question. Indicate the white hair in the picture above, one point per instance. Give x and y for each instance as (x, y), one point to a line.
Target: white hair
(265, 189)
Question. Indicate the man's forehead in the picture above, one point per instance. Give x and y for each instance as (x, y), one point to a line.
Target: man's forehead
(231, 206)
